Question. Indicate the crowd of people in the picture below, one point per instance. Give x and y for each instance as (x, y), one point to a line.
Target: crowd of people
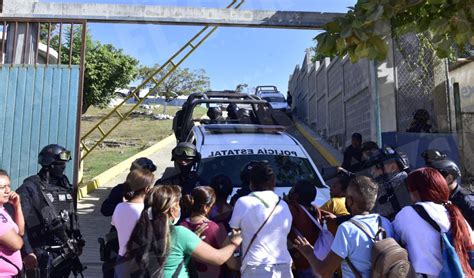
(382, 220)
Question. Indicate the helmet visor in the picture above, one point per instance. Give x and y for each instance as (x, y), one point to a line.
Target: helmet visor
(65, 155)
(185, 152)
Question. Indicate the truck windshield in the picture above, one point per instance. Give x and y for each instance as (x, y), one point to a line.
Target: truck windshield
(288, 169)
(274, 99)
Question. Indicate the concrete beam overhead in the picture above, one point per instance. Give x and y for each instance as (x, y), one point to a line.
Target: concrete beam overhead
(25, 9)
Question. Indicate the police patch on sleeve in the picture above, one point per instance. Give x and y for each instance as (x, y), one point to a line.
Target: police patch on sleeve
(50, 197)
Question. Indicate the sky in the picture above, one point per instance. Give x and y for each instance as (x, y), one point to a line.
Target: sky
(231, 56)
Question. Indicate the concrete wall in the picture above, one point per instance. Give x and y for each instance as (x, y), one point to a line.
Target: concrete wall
(338, 97)
(463, 76)
(375, 98)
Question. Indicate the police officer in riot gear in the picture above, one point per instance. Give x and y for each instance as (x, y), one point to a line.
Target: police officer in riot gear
(432, 155)
(390, 170)
(185, 157)
(458, 195)
(52, 241)
(215, 115)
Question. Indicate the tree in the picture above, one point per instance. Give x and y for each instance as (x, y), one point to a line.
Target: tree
(449, 25)
(178, 83)
(106, 68)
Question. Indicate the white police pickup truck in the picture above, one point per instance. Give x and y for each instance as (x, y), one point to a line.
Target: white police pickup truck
(226, 148)
(271, 94)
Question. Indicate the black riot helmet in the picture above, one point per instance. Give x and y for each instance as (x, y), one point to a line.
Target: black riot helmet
(232, 110)
(388, 153)
(447, 167)
(185, 150)
(52, 154)
(214, 113)
(431, 155)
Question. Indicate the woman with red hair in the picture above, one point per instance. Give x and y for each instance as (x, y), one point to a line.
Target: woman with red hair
(429, 189)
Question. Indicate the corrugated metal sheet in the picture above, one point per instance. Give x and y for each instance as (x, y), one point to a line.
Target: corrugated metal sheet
(38, 106)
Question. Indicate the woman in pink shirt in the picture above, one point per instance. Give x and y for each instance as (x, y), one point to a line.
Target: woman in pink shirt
(11, 231)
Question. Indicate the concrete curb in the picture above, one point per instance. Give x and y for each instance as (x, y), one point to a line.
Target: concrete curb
(108, 175)
(332, 156)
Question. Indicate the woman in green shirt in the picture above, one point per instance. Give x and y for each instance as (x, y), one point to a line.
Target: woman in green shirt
(159, 249)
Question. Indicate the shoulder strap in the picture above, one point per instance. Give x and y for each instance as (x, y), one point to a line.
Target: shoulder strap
(48, 201)
(10, 262)
(424, 214)
(256, 233)
(353, 268)
(316, 222)
(363, 229)
(178, 270)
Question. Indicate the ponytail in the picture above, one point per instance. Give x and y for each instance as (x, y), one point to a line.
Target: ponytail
(188, 202)
(432, 187)
(461, 237)
(200, 197)
(150, 241)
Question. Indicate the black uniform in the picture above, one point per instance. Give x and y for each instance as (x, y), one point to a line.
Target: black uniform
(352, 159)
(392, 196)
(187, 182)
(51, 230)
(115, 197)
(464, 200)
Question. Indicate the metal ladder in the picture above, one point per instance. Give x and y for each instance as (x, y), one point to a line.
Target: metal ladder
(170, 66)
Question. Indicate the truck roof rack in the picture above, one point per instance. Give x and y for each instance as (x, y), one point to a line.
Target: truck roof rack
(183, 121)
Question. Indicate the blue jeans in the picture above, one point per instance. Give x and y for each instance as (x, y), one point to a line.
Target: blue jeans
(121, 269)
(268, 271)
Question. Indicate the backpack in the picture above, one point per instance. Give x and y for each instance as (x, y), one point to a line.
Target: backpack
(450, 260)
(389, 259)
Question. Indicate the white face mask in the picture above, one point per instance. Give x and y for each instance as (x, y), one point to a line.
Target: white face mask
(175, 221)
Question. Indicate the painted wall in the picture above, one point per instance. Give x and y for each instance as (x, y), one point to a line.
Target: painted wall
(38, 106)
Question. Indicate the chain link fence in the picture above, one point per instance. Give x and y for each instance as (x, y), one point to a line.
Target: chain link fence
(415, 79)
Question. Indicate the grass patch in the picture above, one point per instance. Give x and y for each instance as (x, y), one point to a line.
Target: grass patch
(134, 134)
(103, 159)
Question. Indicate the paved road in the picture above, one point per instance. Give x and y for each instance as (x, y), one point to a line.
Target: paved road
(94, 225)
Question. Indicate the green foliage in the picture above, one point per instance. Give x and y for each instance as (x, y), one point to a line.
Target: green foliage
(106, 67)
(361, 32)
(179, 82)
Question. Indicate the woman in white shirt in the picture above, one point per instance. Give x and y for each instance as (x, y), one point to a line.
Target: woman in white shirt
(126, 214)
(429, 189)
